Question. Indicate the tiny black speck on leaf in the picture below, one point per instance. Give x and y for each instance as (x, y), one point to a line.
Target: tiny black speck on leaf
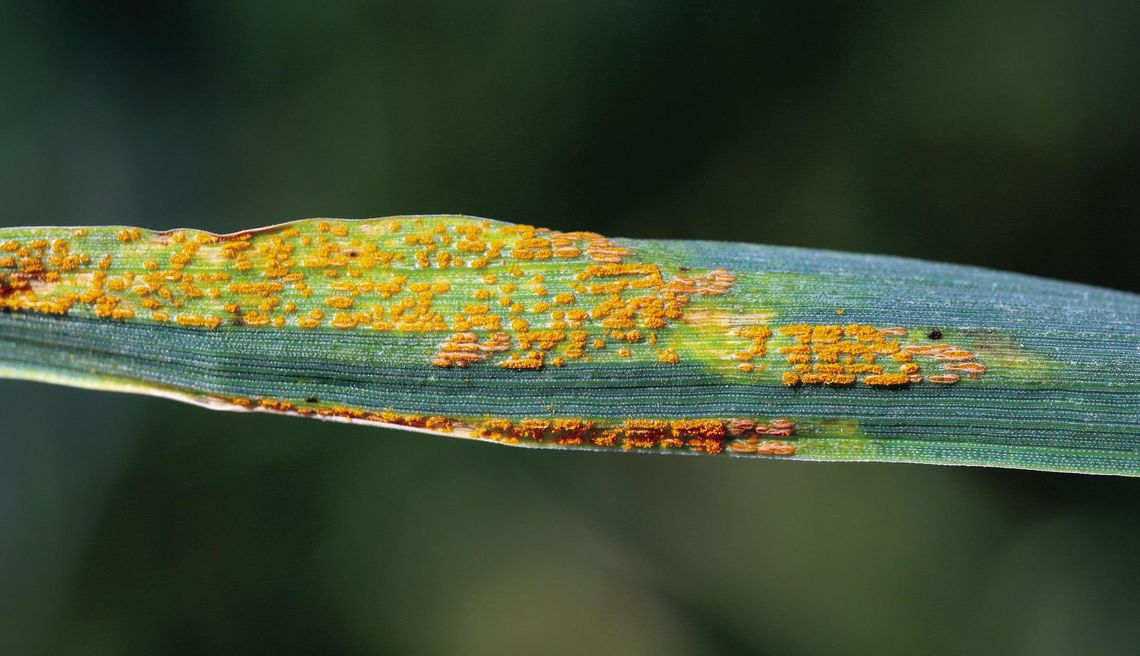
(936, 334)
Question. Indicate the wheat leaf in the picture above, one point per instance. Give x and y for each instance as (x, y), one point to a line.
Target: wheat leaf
(480, 329)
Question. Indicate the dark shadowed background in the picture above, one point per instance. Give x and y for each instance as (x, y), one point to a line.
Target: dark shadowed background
(1003, 134)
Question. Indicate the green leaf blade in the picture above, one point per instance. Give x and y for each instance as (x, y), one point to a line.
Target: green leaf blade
(719, 349)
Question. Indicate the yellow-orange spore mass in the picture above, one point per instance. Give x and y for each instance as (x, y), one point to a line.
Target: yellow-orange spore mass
(841, 355)
(519, 297)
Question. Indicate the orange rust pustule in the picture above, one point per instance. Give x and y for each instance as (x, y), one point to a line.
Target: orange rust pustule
(354, 268)
(599, 304)
(620, 297)
(697, 435)
(9, 286)
(430, 422)
(836, 355)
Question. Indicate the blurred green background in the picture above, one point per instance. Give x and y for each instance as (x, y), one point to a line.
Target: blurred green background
(1003, 134)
